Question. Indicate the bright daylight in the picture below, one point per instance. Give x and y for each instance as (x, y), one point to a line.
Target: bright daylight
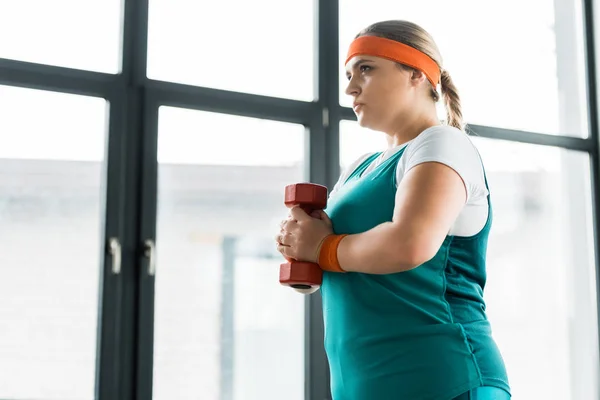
(148, 149)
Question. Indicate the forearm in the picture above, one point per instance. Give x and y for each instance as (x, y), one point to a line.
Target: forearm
(381, 250)
(428, 201)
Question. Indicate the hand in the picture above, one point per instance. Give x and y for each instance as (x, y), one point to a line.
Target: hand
(301, 234)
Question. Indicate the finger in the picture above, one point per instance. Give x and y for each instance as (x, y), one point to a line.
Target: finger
(277, 238)
(281, 249)
(287, 239)
(283, 221)
(284, 238)
(289, 225)
(299, 214)
(318, 214)
(324, 217)
(287, 252)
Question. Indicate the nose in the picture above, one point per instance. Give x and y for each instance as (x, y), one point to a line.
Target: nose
(353, 89)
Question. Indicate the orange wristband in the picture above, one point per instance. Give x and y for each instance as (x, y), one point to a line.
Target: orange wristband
(328, 260)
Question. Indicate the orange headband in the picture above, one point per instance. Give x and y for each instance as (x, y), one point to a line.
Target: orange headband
(395, 51)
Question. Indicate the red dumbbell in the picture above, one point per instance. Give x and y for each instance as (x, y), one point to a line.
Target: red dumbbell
(304, 277)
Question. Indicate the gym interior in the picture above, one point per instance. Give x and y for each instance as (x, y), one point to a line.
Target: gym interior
(144, 150)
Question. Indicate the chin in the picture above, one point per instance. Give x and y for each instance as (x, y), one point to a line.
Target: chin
(362, 121)
(366, 123)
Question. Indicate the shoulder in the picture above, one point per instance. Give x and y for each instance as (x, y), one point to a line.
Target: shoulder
(443, 144)
(443, 141)
(449, 146)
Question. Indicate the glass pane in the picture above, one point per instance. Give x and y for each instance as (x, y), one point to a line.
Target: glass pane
(541, 283)
(541, 290)
(66, 33)
(529, 77)
(262, 47)
(224, 326)
(51, 161)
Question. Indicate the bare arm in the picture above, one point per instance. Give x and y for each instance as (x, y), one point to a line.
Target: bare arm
(428, 201)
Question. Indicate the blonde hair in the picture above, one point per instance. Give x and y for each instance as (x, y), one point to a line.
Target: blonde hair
(414, 36)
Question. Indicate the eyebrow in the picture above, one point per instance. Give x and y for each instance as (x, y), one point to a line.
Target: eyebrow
(359, 63)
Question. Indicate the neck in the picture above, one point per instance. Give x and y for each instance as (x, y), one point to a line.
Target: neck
(409, 128)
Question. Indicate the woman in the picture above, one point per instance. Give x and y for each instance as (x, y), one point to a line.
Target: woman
(403, 240)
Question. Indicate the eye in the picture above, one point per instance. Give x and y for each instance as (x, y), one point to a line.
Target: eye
(361, 68)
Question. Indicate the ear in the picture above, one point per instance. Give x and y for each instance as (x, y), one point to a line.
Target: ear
(417, 77)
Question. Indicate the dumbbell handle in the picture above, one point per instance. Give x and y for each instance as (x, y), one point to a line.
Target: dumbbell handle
(304, 277)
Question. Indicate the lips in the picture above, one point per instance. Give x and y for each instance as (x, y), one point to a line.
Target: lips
(356, 106)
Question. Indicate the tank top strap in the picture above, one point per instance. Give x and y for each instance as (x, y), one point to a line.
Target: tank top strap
(388, 166)
(358, 171)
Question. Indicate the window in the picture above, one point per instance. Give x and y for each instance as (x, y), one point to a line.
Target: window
(224, 326)
(262, 47)
(541, 280)
(528, 75)
(66, 33)
(51, 160)
(541, 283)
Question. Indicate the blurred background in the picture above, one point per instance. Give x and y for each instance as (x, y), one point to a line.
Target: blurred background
(144, 148)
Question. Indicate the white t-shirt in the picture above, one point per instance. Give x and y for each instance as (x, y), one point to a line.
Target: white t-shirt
(449, 146)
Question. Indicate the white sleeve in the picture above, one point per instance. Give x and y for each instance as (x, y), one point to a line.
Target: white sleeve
(452, 147)
(348, 171)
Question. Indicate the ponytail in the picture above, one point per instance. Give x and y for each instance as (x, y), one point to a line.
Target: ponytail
(451, 101)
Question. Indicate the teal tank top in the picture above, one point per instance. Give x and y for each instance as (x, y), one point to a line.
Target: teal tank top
(422, 334)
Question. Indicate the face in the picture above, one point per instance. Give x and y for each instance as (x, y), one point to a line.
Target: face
(382, 91)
